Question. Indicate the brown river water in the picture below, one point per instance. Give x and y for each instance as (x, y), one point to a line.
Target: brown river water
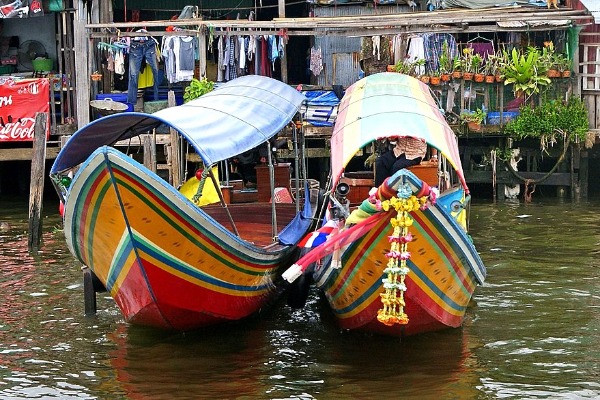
(532, 332)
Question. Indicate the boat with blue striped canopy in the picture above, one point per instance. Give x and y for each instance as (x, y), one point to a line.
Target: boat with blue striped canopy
(166, 261)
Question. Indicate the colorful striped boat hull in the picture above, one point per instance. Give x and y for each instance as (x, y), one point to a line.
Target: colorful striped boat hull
(444, 270)
(166, 262)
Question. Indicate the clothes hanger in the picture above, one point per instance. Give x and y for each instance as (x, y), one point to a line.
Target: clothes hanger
(480, 38)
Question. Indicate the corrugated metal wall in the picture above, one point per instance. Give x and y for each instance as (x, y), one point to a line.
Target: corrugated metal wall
(341, 55)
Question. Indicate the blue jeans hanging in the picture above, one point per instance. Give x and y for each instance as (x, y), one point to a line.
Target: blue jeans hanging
(138, 50)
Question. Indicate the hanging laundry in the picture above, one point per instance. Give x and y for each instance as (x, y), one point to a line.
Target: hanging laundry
(273, 50)
(484, 49)
(251, 47)
(145, 78)
(110, 61)
(119, 62)
(184, 58)
(186, 53)
(376, 44)
(398, 48)
(416, 51)
(168, 55)
(232, 65)
(316, 61)
(263, 61)
(432, 43)
(220, 59)
(280, 46)
(242, 52)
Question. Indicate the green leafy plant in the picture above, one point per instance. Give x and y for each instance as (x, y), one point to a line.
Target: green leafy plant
(562, 62)
(551, 120)
(472, 61)
(476, 116)
(491, 64)
(445, 62)
(525, 71)
(403, 66)
(457, 64)
(197, 88)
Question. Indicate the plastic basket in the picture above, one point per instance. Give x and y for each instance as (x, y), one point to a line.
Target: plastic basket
(108, 107)
(42, 64)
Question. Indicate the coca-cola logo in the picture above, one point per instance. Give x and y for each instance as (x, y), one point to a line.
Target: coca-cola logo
(35, 7)
(23, 129)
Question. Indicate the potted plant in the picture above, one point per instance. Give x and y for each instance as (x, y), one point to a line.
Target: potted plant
(435, 78)
(418, 68)
(564, 66)
(490, 67)
(403, 66)
(501, 62)
(473, 119)
(525, 72)
(548, 59)
(445, 62)
(197, 88)
(478, 64)
(457, 67)
(471, 63)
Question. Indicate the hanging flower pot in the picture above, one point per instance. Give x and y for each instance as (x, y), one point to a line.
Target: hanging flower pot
(467, 76)
(499, 78)
(96, 76)
(478, 77)
(456, 74)
(445, 77)
(566, 73)
(425, 78)
(490, 78)
(435, 80)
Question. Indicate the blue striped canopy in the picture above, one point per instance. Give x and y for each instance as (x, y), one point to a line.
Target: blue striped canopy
(237, 116)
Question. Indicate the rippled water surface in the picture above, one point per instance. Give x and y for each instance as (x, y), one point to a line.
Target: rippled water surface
(532, 332)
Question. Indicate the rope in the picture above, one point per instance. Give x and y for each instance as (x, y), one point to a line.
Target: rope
(529, 182)
(198, 195)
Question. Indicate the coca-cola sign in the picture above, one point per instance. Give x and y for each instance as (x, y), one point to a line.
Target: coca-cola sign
(20, 101)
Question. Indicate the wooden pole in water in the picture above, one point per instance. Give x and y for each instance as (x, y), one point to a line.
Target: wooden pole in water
(36, 186)
(175, 149)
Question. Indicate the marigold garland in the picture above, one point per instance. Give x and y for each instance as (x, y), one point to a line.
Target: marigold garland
(394, 287)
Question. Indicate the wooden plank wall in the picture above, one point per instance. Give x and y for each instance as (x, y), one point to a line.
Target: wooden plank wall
(589, 75)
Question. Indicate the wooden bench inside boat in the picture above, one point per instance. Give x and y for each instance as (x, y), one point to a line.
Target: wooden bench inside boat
(361, 182)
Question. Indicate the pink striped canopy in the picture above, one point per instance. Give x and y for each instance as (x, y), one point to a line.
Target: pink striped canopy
(388, 105)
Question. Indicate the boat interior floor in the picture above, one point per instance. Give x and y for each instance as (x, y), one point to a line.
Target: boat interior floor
(253, 220)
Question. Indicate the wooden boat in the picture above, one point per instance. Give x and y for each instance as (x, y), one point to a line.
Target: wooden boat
(401, 262)
(167, 262)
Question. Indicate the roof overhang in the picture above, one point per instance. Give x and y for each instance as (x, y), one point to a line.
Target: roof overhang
(452, 21)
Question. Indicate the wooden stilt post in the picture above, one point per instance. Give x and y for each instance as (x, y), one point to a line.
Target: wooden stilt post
(89, 293)
(36, 186)
(91, 286)
(175, 161)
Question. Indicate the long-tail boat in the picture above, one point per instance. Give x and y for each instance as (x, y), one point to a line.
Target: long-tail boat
(401, 261)
(166, 261)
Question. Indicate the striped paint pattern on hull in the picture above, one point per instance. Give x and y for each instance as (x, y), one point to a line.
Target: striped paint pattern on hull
(162, 259)
(442, 278)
